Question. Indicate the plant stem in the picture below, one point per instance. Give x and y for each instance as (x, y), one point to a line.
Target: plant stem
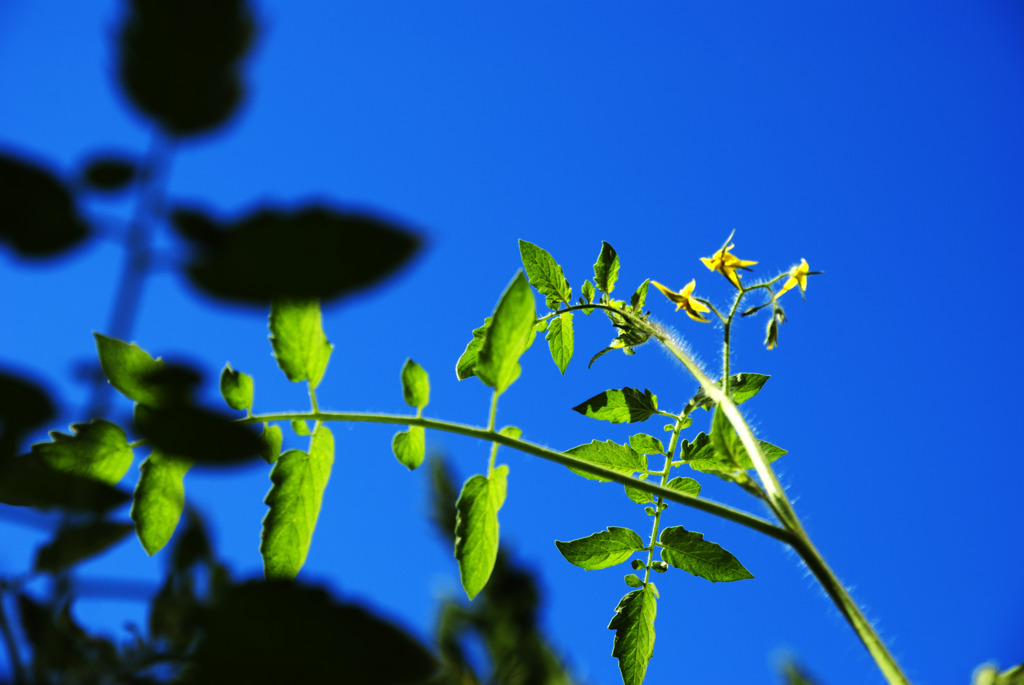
(706, 505)
(777, 500)
(664, 479)
(490, 427)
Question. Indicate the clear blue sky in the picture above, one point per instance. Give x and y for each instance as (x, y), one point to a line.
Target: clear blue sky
(880, 141)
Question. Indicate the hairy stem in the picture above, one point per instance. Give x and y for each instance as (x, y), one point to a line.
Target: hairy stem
(709, 506)
(664, 479)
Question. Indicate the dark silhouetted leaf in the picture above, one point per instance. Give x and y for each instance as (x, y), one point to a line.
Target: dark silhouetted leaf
(23, 407)
(313, 253)
(75, 543)
(29, 482)
(98, 449)
(39, 214)
(110, 173)
(180, 61)
(203, 436)
(268, 633)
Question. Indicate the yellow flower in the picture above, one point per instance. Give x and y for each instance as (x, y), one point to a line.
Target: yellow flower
(685, 300)
(726, 263)
(798, 276)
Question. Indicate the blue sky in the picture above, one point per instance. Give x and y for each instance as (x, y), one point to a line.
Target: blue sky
(880, 141)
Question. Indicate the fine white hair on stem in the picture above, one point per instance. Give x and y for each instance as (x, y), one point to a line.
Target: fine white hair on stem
(680, 342)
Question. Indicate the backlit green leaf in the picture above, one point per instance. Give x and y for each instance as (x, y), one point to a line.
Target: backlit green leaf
(97, 449)
(159, 499)
(633, 580)
(129, 369)
(294, 499)
(236, 388)
(300, 428)
(588, 296)
(646, 444)
(410, 447)
(606, 269)
(633, 624)
(638, 298)
(466, 366)
(724, 451)
(610, 455)
(508, 336)
(687, 486)
(476, 528)
(75, 543)
(298, 339)
(742, 387)
(415, 385)
(272, 438)
(627, 405)
(691, 552)
(637, 495)
(544, 273)
(601, 550)
(560, 340)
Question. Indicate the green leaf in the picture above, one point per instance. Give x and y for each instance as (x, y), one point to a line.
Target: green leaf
(300, 428)
(633, 580)
(601, 550)
(742, 387)
(298, 339)
(75, 543)
(236, 388)
(508, 336)
(646, 444)
(588, 296)
(610, 455)
(638, 298)
(476, 528)
(159, 499)
(410, 447)
(466, 366)
(512, 432)
(129, 369)
(633, 624)
(687, 486)
(544, 273)
(627, 405)
(560, 340)
(27, 482)
(606, 269)
(272, 438)
(294, 499)
(691, 552)
(637, 495)
(724, 451)
(415, 385)
(97, 449)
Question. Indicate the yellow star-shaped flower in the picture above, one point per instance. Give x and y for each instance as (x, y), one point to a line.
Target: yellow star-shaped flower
(726, 263)
(798, 276)
(684, 300)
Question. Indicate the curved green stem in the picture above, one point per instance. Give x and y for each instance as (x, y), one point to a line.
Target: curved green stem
(776, 498)
(673, 442)
(490, 427)
(706, 505)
